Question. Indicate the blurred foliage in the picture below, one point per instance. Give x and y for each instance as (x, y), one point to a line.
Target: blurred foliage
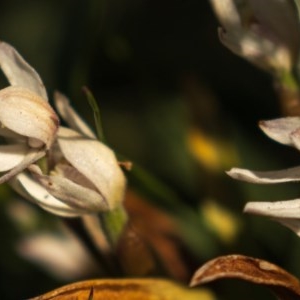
(172, 100)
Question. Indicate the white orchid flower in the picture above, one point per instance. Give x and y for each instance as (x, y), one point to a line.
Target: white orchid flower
(28, 123)
(265, 32)
(285, 131)
(84, 176)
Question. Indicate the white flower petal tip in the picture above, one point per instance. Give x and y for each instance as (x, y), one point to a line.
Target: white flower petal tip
(281, 130)
(285, 212)
(19, 72)
(281, 209)
(267, 177)
(295, 136)
(27, 114)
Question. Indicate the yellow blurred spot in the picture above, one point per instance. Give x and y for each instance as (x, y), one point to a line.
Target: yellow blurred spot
(213, 154)
(221, 220)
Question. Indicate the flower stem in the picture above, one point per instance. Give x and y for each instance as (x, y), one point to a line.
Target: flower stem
(113, 223)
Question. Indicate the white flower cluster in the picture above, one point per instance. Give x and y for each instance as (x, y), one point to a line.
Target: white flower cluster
(80, 175)
(266, 33)
(285, 131)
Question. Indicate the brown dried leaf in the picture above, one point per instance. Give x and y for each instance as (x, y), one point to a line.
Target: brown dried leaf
(126, 289)
(150, 241)
(284, 285)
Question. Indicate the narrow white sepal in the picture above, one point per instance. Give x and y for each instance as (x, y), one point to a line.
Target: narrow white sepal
(70, 116)
(285, 212)
(19, 72)
(289, 209)
(267, 177)
(281, 129)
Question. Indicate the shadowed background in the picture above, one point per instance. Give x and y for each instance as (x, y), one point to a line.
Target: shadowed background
(172, 99)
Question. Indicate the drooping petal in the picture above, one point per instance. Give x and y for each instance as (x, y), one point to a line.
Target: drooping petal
(227, 14)
(27, 114)
(264, 50)
(267, 177)
(31, 156)
(260, 51)
(96, 162)
(33, 191)
(19, 72)
(281, 129)
(11, 156)
(285, 212)
(71, 193)
(70, 115)
(278, 20)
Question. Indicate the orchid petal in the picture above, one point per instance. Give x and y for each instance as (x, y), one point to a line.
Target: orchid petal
(285, 212)
(71, 193)
(295, 137)
(227, 14)
(70, 115)
(19, 72)
(8, 134)
(267, 177)
(279, 18)
(33, 191)
(31, 156)
(27, 114)
(256, 49)
(281, 129)
(95, 161)
(11, 156)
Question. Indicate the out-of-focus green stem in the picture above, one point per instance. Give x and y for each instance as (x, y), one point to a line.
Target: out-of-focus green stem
(289, 81)
(113, 223)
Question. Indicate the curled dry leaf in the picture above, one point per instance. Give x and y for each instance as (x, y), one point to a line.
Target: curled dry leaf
(126, 289)
(152, 247)
(284, 285)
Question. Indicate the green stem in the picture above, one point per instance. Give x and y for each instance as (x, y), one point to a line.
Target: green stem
(289, 81)
(113, 223)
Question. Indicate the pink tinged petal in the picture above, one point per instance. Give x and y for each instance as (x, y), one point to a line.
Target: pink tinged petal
(281, 129)
(33, 191)
(72, 194)
(19, 72)
(285, 212)
(29, 158)
(268, 177)
(96, 162)
(70, 115)
(27, 114)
